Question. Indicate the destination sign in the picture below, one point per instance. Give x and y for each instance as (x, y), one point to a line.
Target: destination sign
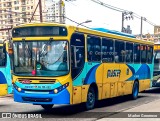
(34, 31)
(156, 47)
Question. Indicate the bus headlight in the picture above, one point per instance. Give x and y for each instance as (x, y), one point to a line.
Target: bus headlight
(55, 91)
(58, 89)
(17, 88)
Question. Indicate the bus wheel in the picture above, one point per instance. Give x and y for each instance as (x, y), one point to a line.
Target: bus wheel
(91, 98)
(47, 107)
(135, 90)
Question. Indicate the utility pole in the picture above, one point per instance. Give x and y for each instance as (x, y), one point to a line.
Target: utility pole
(122, 22)
(33, 13)
(40, 11)
(126, 16)
(61, 11)
(141, 27)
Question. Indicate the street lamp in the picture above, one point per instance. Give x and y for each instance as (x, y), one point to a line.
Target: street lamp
(87, 21)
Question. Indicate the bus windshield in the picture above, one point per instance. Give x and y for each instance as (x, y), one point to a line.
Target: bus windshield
(47, 58)
(2, 56)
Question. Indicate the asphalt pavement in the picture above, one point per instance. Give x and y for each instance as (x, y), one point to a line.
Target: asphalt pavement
(110, 109)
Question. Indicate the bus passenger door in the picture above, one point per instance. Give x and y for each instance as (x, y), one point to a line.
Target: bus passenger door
(78, 70)
(77, 82)
(3, 76)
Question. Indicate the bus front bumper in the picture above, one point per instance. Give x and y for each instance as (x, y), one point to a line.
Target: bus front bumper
(62, 97)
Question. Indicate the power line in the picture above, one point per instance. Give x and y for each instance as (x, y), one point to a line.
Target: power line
(76, 22)
(72, 3)
(121, 10)
(108, 6)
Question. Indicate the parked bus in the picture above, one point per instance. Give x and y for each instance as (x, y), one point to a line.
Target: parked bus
(61, 64)
(5, 69)
(156, 73)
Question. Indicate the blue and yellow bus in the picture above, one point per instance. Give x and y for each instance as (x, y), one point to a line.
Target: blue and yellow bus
(61, 64)
(5, 69)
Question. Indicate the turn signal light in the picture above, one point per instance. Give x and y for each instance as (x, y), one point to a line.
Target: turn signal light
(57, 90)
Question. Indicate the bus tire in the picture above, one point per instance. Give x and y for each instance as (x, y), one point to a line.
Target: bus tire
(91, 99)
(135, 90)
(47, 106)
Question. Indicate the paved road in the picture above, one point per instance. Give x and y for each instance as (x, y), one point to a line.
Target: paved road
(77, 112)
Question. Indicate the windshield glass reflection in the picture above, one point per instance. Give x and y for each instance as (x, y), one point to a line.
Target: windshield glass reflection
(46, 58)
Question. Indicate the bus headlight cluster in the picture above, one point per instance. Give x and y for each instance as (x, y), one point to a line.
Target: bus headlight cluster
(17, 88)
(57, 90)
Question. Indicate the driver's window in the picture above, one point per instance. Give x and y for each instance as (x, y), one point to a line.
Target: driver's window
(77, 54)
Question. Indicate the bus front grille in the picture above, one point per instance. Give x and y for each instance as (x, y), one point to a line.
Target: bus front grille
(30, 99)
(37, 81)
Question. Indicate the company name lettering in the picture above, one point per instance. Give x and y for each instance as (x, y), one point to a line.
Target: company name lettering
(113, 73)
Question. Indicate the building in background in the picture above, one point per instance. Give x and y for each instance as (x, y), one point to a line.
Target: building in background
(151, 37)
(55, 11)
(156, 34)
(15, 12)
(156, 29)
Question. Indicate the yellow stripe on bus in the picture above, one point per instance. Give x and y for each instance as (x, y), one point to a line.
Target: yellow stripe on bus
(3, 89)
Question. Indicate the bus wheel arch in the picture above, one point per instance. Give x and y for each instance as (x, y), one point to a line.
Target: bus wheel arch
(92, 96)
(135, 89)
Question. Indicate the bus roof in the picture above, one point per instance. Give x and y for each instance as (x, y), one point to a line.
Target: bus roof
(157, 43)
(114, 32)
(93, 31)
(40, 24)
(114, 35)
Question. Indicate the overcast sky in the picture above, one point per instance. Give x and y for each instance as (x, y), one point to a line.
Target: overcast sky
(82, 10)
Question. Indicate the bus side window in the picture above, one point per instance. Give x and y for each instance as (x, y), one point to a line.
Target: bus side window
(136, 53)
(129, 52)
(107, 50)
(143, 49)
(3, 56)
(93, 48)
(119, 51)
(149, 54)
